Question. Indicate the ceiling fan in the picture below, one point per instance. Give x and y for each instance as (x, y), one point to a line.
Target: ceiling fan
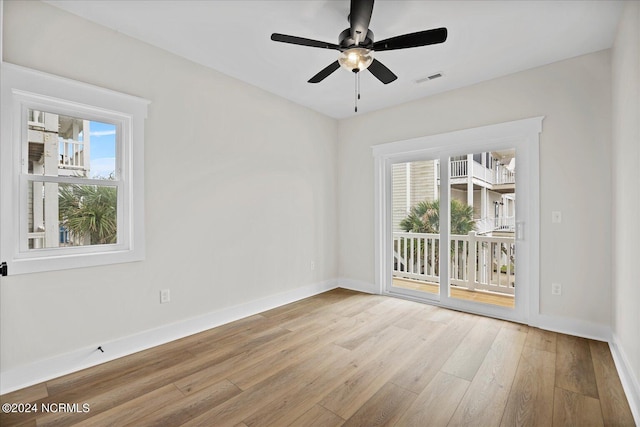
(356, 44)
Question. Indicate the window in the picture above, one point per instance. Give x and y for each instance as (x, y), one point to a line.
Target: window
(71, 173)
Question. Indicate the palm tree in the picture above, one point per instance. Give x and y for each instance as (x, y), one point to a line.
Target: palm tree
(425, 218)
(89, 210)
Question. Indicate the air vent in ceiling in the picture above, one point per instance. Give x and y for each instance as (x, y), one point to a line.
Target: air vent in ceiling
(428, 78)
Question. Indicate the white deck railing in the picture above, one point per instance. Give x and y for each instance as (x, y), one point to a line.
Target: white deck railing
(71, 154)
(458, 168)
(505, 176)
(502, 175)
(477, 262)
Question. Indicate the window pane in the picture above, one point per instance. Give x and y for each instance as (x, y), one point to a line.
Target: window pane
(68, 146)
(416, 230)
(63, 215)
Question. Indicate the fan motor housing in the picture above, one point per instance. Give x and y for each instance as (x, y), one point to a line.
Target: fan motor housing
(346, 41)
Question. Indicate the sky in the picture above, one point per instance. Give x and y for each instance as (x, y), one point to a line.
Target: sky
(103, 149)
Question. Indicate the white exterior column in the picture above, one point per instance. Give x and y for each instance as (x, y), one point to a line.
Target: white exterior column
(50, 164)
(470, 180)
(484, 198)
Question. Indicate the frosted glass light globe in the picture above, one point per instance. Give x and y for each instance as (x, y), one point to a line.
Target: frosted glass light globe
(356, 59)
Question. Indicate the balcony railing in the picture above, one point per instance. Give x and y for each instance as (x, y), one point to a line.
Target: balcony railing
(501, 175)
(505, 176)
(71, 154)
(488, 225)
(476, 262)
(458, 168)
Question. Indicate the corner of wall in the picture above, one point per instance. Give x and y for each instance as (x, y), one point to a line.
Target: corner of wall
(628, 378)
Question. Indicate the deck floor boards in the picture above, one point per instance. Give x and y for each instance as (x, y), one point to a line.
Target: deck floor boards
(344, 358)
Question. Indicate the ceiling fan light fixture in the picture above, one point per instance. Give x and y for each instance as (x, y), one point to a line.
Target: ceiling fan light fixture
(355, 59)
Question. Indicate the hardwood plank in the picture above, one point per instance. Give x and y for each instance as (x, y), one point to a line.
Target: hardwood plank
(137, 408)
(468, 356)
(436, 404)
(613, 402)
(182, 410)
(574, 409)
(297, 402)
(242, 406)
(117, 396)
(312, 319)
(120, 371)
(292, 405)
(374, 322)
(354, 305)
(531, 398)
(256, 357)
(238, 343)
(486, 398)
(356, 389)
(317, 416)
(574, 367)
(32, 395)
(419, 320)
(25, 395)
(308, 344)
(383, 408)
(541, 340)
(418, 371)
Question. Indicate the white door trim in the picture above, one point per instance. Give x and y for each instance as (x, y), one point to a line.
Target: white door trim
(523, 135)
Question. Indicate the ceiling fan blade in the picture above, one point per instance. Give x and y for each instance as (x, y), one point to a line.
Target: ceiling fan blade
(302, 41)
(326, 71)
(421, 38)
(359, 18)
(381, 72)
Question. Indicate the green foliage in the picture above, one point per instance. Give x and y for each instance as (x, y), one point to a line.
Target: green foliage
(503, 268)
(89, 210)
(425, 218)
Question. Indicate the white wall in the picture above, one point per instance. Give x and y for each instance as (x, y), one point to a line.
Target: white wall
(264, 182)
(241, 194)
(626, 194)
(575, 161)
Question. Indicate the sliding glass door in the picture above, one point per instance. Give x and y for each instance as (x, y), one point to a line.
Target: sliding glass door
(451, 227)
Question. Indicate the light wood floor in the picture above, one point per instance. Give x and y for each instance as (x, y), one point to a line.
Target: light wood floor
(347, 359)
(484, 297)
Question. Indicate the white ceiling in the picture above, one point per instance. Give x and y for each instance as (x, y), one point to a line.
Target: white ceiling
(487, 39)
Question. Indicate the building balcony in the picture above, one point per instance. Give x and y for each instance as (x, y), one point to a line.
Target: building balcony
(500, 179)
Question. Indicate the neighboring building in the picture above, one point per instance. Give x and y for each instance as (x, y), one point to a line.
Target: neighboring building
(485, 181)
(58, 146)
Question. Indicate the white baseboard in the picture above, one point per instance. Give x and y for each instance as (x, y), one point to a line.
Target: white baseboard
(44, 370)
(358, 285)
(571, 326)
(629, 379)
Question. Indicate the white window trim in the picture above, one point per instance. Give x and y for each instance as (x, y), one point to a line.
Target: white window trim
(23, 88)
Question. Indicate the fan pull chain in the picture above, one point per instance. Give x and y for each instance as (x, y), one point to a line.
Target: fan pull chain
(355, 100)
(357, 90)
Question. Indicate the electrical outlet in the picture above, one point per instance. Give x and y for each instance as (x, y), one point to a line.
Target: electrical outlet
(556, 289)
(312, 265)
(556, 217)
(165, 296)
